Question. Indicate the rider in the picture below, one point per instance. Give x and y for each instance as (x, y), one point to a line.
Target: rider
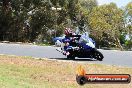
(68, 33)
(69, 40)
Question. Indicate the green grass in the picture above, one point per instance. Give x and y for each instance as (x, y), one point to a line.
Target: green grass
(26, 72)
(12, 76)
(43, 44)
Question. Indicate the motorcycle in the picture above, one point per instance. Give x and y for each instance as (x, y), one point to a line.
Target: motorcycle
(82, 47)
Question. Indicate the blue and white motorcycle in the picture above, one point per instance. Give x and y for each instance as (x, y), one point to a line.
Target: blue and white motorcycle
(83, 47)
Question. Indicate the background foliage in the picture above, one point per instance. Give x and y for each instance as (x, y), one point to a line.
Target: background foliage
(35, 21)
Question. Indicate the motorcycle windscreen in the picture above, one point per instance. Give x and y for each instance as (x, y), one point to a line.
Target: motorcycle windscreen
(86, 43)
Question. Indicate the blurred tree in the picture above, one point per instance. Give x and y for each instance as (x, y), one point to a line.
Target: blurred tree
(106, 23)
(27, 20)
(128, 24)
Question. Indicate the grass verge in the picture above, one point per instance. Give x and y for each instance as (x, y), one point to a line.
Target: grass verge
(26, 72)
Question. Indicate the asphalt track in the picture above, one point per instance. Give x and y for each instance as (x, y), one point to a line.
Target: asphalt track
(111, 57)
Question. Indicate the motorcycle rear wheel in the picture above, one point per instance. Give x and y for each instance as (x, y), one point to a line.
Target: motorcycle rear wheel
(70, 56)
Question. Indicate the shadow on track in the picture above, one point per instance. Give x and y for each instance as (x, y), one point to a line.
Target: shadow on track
(78, 59)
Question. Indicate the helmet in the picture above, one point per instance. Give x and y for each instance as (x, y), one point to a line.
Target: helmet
(68, 31)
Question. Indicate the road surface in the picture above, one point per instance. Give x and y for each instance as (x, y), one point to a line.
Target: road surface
(111, 57)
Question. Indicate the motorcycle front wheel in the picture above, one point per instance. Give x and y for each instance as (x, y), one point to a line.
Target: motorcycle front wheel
(98, 55)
